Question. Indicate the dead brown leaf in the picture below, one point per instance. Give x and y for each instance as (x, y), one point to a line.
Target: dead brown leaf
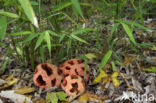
(127, 60)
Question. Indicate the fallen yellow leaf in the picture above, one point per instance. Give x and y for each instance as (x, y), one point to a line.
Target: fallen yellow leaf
(115, 81)
(24, 90)
(105, 78)
(90, 56)
(100, 77)
(153, 48)
(91, 97)
(9, 82)
(41, 101)
(84, 98)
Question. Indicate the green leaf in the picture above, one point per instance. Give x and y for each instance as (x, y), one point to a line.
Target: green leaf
(132, 2)
(153, 69)
(133, 23)
(39, 41)
(8, 14)
(112, 32)
(30, 37)
(53, 33)
(34, 3)
(4, 64)
(113, 66)
(129, 33)
(2, 45)
(62, 96)
(145, 45)
(86, 65)
(82, 31)
(90, 56)
(69, 45)
(79, 39)
(51, 98)
(20, 33)
(105, 59)
(77, 8)
(42, 54)
(47, 39)
(137, 25)
(61, 6)
(62, 37)
(3, 27)
(28, 10)
(72, 20)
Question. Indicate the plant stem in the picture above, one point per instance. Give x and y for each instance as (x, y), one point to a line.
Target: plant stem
(14, 46)
(32, 56)
(117, 9)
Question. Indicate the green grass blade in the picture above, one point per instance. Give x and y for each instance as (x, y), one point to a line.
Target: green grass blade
(39, 40)
(72, 20)
(79, 39)
(105, 59)
(30, 37)
(133, 23)
(69, 42)
(77, 8)
(113, 66)
(20, 33)
(85, 30)
(42, 53)
(47, 39)
(52, 33)
(62, 37)
(2, 45)
(3, 27)
(28, 10)
(61, 6)
(112, 32)
(129, 33)
(153, 69)
(8, 14)
(5, 64)
(137, 25)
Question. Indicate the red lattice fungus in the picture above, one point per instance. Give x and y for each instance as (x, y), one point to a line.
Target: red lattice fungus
(74, 67)
(73, 85)
(47, 75)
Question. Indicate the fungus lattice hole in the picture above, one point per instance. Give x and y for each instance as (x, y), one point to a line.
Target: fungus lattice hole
(71, 62)
(53, 82)
(74, 85)
(40, 80)
(79, 61)
(67, 68)
(74, 77)
(73, 90)
(83, 68)
(59, 71)
(81, 76)
(66, 75)
(76, 72)
(64, 83)
(47, 69)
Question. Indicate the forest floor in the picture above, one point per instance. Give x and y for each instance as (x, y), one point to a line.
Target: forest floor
(136, 73)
